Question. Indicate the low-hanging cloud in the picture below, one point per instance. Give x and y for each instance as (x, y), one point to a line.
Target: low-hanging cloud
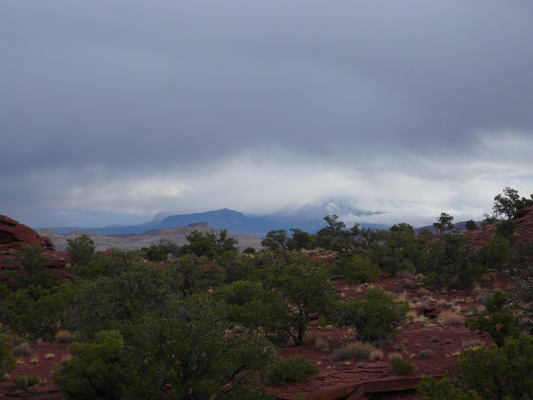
(408, 108)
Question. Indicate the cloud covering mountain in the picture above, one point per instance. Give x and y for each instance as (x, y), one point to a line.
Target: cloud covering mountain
(114, 111)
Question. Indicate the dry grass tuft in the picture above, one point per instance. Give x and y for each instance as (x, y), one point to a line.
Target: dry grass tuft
(63, 336)
(375, 355)
(394, 356)
(426, 353)
(472, 344)
(354, 350)
(450, 318)
(22, 350)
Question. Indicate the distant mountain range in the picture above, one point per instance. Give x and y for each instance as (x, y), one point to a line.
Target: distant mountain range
(308, 217)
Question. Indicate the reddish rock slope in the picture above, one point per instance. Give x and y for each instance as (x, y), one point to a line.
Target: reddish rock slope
(14, 236)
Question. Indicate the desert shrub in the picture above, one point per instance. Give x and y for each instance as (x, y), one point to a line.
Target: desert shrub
(49, 356)
(290, 370)
(354, 350)
(376, 355)
(156, 252)
(505, 229)
(453, 261)
(7, 361)
(236, 267)
(3, 290)
(375, 318)
(434, 339)
(394, 355)
(63, 336)
(304, 285)
(493, 373)
(434, 281)
(81, 249)
(35, 309)
(471, 343)
(358, 269)
(450, 318)
(499, 323)
(22, 350)
(24, 382)
(96, 370)
(249, 250)
(17, 339)
(426, 353)
(496, 372)
(401, 366)
(430, 389)
(30, 268)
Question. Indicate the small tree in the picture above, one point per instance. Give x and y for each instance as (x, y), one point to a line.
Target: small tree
(98, 370)
(334, 236)
(300, 240)
(276, 240)
(499, 323)
(498, 373)
(444, 223)
(304, 284)
(81, 249)
(375, 318)
(509, 202)
(471, 225)
(358, 269)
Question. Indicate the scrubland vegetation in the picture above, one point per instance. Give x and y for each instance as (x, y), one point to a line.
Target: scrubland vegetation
(203, 321)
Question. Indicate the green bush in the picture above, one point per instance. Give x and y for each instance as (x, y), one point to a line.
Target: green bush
(96, 370)
(375, 318)
(7, 361)
(156, 252)
(454, 259)
(24, 382)
(81, 249)
(499, 323)
(401, 366)
(358, 269)
(496, 372)
(289, 370)
(492, 373)
(430, 389)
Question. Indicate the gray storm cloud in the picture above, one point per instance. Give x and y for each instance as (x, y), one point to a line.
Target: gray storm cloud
(137, 107)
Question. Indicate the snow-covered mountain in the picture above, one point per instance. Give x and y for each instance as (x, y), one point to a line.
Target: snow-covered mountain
(343, 208)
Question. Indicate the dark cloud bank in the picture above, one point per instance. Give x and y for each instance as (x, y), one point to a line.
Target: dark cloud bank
(113, 111)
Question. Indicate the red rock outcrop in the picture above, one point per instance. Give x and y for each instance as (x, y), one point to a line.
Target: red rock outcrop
(14, 236)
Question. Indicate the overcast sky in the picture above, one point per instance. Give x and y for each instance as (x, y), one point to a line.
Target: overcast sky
(112, 111)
